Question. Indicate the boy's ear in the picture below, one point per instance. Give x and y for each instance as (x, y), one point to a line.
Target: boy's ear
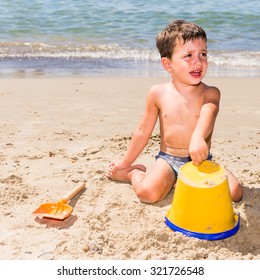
(166, 63)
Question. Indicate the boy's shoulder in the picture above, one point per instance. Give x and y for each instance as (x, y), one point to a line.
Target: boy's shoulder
(204, 89)
(210, 88)
(159, 88)
(156, 92)
(207, 89)
(211, 93)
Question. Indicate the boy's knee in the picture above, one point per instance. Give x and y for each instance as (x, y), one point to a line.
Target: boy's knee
(147, 195)
(237, 193)
(236, 189)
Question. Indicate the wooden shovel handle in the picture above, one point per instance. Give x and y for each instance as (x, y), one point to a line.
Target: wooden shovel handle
(73, 192)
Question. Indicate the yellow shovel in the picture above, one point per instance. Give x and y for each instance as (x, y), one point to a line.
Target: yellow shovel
(61, 209)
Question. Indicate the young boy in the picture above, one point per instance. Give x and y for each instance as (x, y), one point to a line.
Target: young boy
(187, 110)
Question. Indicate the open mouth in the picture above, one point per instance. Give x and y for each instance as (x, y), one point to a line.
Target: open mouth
(196, 73)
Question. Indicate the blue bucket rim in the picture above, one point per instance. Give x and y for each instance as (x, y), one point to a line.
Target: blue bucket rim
(205, 236)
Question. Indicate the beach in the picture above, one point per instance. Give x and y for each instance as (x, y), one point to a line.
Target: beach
(58, 132)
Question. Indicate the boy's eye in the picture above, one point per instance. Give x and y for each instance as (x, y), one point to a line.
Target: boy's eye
(189, 55)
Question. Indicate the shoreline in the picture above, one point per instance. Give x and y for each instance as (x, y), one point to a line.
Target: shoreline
(95, 68)
(56, 132)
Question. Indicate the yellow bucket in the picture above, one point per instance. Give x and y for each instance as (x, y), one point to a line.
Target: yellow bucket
(202, 205)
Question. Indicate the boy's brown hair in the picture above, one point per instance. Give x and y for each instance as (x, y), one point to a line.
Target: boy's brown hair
(177, 30)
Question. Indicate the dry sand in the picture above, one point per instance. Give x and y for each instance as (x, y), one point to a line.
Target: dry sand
(57, 132)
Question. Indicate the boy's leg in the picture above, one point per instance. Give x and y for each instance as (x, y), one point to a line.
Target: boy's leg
(123, 175)
(236, 189)
(155, 184)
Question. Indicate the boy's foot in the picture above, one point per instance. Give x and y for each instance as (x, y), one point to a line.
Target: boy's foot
(123, 175)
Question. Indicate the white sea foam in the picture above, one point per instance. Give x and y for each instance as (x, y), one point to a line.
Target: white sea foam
(116, 52)
(236, 58)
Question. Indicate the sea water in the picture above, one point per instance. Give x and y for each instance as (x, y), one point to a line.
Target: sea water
(117, 38)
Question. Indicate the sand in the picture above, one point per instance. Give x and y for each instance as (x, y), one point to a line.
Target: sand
(58, 132)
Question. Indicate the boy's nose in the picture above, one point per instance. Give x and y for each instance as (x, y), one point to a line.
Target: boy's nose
(197, 61)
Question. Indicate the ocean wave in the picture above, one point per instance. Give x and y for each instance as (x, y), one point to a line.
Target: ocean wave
(34, 50)
(42, 50)
(235, 58)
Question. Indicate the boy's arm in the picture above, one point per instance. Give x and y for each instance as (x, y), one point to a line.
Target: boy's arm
(199, 148)
(142, 133)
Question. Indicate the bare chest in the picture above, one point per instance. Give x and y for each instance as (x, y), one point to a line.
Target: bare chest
(180, 111)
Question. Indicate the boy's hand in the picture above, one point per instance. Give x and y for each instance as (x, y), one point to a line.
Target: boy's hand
(114, 166)
(198, 150)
